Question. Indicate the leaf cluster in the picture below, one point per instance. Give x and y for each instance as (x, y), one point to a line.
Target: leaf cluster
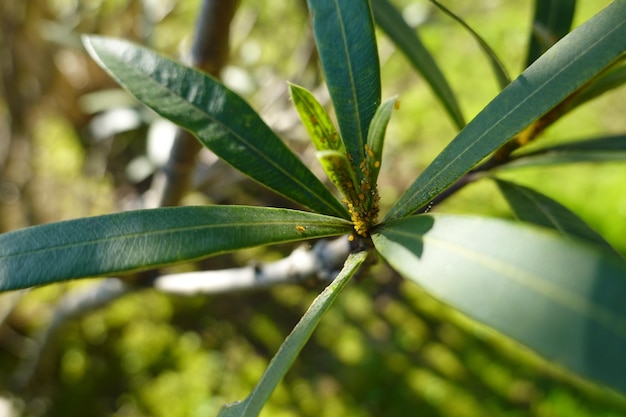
(549, 281)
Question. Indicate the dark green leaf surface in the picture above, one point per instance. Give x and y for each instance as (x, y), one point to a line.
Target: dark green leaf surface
(552, 21)
(605, 149)
(294, 343)
(533, 207)
(561, 297)
(344, 34)
(610, 80)
(407, 40)
(572, 62)
(500, 72)
(145, 239)
(222, 120)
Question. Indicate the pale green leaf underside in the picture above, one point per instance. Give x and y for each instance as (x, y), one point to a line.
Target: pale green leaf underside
(316, 120)
(221, 120)
(145, 239)
(294, 343)
(561, 297)
(340, 172)
(573, 61)
(376, 137)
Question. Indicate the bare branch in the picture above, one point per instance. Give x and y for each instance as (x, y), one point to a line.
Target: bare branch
(321, 261)
(209, 52)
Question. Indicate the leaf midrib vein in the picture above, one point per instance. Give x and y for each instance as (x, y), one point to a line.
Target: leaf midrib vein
(247, 144)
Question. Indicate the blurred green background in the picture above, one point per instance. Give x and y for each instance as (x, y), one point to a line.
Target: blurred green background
(386, 348)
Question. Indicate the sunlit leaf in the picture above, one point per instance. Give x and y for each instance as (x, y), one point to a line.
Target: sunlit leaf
(410, 44)
(561, 297)
(291, 347)
(222, 120)
(316, 120)
(344, 35)
(145, 239)
(573, 61)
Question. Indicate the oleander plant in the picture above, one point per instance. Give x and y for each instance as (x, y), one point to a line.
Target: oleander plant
(546, 279)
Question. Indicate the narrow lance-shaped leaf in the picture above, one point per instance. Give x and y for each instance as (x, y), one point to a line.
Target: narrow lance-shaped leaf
(291, 347)
(561, 297)
(344, 34)
(552, 20)
(340, 172)
(500, 72)
(609, 80)
(605, 149)
(572, 62)
(316, 120)
(145, 239)
(222, 120)
(533, 207)
(376, 137)
(407, 40)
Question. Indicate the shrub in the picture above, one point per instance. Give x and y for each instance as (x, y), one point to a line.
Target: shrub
(548, 281)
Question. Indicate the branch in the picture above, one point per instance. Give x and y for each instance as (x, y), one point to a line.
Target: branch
(321, 261)
(209, 52)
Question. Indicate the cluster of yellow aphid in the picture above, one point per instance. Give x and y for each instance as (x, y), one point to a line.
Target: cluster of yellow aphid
(363, 206)
(356, 180)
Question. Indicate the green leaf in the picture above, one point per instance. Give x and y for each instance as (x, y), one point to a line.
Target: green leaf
(410, 44)
(222, 120)
(604, 149)
(613, 78)
(533, 207)
(502, 76)
(560, 297)
(376, 137)
(316, 120)
(340, 172)
(344, 34)
(291, 347)
(146, 239)
(552, 21)
(572, 62)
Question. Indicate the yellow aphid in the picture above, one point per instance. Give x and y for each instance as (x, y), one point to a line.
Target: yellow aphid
(396, 104)
(300, 229)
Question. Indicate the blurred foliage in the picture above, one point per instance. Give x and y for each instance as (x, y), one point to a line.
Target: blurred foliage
(386, 348)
